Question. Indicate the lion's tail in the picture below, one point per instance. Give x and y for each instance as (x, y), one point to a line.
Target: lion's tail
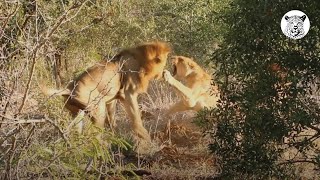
(54, 92)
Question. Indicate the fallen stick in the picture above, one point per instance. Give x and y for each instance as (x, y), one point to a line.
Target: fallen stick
(24, 121)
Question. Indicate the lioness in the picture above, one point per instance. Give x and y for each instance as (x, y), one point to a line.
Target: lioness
(197, 91)
(123, 78)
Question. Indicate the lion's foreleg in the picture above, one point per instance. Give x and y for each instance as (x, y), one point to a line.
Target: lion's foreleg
(186, 93)
(130, 104)
(178, 107)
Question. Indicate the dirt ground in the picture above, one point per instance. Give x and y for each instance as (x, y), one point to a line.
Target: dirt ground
(182, 153)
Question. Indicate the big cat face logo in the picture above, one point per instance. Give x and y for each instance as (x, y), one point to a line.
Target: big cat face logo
(295, 24)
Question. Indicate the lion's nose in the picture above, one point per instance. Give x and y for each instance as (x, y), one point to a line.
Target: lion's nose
(295, 27)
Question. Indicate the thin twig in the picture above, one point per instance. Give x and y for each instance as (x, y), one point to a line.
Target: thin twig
(7, 20)
(19, 121)
(61, 20)
(60, 131)
(8, 101)
(11, 156)
(24, 121)
(24, 147)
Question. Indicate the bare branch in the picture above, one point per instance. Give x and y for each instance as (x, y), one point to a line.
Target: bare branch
(24, 121)
(60, 131)
(59, 22)
(7, 20)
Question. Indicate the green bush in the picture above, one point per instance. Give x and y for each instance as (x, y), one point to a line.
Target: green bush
(265, 113)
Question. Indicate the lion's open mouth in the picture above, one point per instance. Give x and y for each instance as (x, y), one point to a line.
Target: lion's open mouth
(174, 72)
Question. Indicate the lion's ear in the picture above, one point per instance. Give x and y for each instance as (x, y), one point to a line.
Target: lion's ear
(191, 65)
(303, 17)
(287, 18)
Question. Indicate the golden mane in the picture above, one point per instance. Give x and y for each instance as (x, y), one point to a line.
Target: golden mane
(143, 60)
(144, 52)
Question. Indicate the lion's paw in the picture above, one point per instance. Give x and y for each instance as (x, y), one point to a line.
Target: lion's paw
(167, 76)
(146, 148)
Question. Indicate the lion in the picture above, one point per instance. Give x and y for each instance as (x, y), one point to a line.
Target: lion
(294, 28)
(198, 90)
(122, 78)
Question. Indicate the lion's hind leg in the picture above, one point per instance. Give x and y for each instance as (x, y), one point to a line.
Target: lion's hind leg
(98, 115)
(111, 110)
(77, 110)
(96, 112)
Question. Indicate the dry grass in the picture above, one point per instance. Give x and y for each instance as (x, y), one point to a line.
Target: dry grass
(49, 147)
(184, 155)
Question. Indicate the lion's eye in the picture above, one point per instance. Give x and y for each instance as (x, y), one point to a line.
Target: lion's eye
(157, 60)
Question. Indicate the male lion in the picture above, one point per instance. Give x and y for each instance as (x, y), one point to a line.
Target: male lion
(198, 91)
(123, 78)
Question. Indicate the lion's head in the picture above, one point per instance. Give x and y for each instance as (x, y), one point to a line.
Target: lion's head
(154, 58)
(145, 62)
(183, 66)
(294, 28)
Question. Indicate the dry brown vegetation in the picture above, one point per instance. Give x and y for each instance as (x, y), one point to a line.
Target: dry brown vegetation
(47, 145)
(266, 125)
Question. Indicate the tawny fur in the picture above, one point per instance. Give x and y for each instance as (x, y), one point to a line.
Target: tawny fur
(122, 78)
(197, 90)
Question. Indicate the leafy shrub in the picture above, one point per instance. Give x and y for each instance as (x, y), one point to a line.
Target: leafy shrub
(266, 112)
